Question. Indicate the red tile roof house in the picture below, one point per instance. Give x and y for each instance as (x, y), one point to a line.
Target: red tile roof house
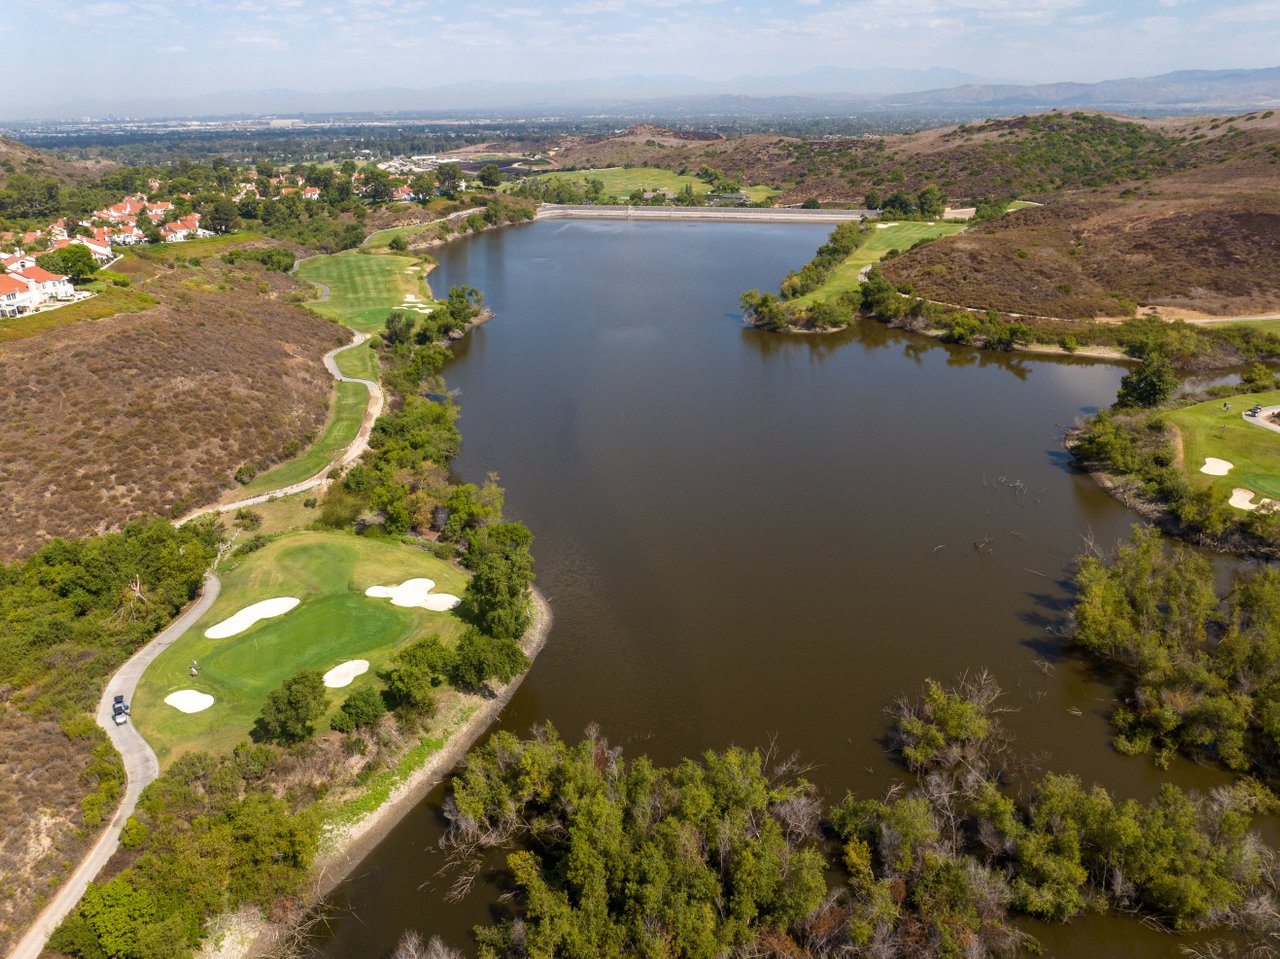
(402, 193)
(45, 286)
(175, 232)
(311, 193)
(15, 297)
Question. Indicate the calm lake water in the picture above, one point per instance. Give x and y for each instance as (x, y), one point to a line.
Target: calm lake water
(748, 538)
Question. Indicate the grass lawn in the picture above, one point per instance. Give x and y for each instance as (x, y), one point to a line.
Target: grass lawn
(621, 182)
(283, 514)
(359, 361)
(344, 422)
(1021, 205)
(329, 572)
(900, 236)
(1209, 430)
(364, 288)
(110, 301)
(381, 238)
(208, 246)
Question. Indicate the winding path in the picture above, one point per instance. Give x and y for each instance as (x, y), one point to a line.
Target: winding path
(352, 453)
(140, 766)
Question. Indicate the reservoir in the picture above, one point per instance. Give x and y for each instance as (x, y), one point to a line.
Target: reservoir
(751, 539)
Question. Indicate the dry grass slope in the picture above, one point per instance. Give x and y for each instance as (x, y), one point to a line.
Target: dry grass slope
(139, 414)
(1205, 240)
(42, 780)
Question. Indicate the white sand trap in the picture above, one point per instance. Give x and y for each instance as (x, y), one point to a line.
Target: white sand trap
(410, 298)
(415, 592)
(1243, 499)
(1216, 467)
(250, 615)
(189, 701)
(885, 226)
(342, 674)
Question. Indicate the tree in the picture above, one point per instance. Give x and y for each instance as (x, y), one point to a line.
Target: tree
(497, 598)
(490, 175)
(73, 260)
(872, 200)
(481, 658)
(417, 672)
(1150, 384)
(289, 713)
(398, 328)
(398, 244)
(931, 201)
(423, 186)
(899, 203)
(377, 184)
(448, 176)
(222, 216)
(364, 707)
(811, 203)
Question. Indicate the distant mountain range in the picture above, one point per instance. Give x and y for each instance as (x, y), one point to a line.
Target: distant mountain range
(820, 90)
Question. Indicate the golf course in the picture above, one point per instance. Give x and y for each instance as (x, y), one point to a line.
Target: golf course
(621, 182)
(334, 623)
(364, 288)
(1208, 430)
(345, 415)
(884, 237)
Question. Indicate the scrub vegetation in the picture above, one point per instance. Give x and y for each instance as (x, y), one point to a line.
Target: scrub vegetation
(736, 853)
(149, 414)
(72, 613)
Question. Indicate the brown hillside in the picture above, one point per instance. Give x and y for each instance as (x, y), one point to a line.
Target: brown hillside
(1028, 156)
(139, 414)
(1206, 240)
(17, 157)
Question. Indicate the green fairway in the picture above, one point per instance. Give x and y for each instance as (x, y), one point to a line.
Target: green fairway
(381, 238)
(621, 182)
(335, 622)
(899, 236)
(360, 362)
(345, 417)
(1254, 452)
(364, 288)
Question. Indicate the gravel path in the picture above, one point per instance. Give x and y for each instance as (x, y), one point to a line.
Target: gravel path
(140, 766)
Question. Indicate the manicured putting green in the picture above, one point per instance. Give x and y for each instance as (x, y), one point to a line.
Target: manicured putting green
(334, 623)
(883, 238)
(364, 288)
(1253, 452)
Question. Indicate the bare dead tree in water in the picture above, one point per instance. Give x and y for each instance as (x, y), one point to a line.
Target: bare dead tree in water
(412, 946)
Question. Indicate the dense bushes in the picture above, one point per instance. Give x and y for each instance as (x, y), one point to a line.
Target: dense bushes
(275, 258)
(77, 609)
(1201, 670)
(726, 855)
(209, 836)
(844, 240)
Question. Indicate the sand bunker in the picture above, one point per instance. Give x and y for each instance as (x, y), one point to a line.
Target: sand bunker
(342, 674)
(189, 701)
(250, 615)
(885, 226)
(410, 298)
(1243, 499)
(1216, 467)
(415, 592)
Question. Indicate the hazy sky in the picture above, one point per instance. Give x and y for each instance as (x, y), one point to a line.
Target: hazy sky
(120, 48)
